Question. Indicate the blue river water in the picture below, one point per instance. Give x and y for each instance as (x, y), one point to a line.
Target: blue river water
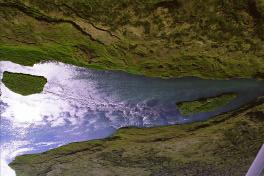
(81, 104)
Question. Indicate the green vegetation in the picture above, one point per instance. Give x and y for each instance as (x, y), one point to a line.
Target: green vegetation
(225, 145)
(205, 104)
(24, 84)
(161, 38)
(260, 6)
(217, 39)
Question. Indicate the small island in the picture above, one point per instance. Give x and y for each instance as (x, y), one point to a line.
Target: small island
(24, 84)
(205, 104)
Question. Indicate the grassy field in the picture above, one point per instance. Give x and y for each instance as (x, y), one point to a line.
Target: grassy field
(159, 38)
(24, 84)
(205, 104)
(224, 145)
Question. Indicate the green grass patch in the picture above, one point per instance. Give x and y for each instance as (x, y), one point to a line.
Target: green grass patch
(205, 104)
(30, 55)
(24, 84)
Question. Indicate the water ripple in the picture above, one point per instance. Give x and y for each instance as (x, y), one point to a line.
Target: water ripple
(81, 104)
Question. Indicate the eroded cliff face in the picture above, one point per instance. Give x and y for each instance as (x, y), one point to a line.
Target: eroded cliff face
(163, 38)
(224, 145)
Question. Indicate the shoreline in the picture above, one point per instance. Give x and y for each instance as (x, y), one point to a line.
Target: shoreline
(121, 134)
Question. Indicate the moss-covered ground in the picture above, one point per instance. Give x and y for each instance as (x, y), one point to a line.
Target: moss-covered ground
(205, 104)
(225, 145)
(161, 38)
(24, 84)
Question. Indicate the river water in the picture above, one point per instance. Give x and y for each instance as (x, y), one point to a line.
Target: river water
(81, 104)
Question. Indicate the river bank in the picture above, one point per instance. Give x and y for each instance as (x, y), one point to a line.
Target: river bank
(225, 145)
(152, 38)
(85, 104)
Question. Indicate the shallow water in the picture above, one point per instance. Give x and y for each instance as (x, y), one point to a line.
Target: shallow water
(81, 104)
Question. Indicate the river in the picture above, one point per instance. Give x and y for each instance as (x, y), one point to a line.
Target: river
(81, 104)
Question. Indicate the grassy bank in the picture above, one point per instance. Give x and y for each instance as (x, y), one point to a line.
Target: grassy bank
(24, 84)
(205, 104)
(225, 145)
(160, 38)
